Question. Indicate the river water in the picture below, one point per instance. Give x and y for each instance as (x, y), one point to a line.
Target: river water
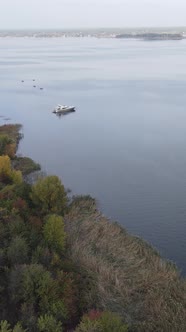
(126, 143)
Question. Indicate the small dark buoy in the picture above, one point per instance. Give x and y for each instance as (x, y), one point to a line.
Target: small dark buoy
(33, 80)
(22, 81)
(34, 86)
(41, 88)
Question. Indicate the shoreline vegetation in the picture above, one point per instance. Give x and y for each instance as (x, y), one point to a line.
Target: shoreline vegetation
(65, 267)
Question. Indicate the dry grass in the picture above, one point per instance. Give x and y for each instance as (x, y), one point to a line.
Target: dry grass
(127, 275)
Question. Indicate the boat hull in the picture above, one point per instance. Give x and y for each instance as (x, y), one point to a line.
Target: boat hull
(64, 111)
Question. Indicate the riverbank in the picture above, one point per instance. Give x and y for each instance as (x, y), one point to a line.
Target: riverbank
(103, 268)
(128, 275)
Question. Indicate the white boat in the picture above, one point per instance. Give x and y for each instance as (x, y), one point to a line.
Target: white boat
(63, 109)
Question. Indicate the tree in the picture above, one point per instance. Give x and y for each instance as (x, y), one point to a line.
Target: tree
(88, 325)
(16, 177)
(48, 323)
(18, 328)
(104, 322)
(112, 322)
(54, 233)
(18, 251)
(5, 168)
(5, 326)
(4, 142)
(10, 150)
(48, 194)
(6, 172)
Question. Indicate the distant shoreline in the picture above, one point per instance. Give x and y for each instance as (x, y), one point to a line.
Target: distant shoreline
(140, 34)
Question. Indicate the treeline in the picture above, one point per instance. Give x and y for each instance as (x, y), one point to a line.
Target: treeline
(41, 287)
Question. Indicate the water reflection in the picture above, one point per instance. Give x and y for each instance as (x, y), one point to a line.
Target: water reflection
(61, 115)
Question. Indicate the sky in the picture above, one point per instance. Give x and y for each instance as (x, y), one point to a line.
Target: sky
(41, 14)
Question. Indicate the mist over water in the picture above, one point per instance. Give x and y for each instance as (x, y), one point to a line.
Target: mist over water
(126, 144)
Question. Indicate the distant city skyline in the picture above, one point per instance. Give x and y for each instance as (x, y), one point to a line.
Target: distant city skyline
(66, 14)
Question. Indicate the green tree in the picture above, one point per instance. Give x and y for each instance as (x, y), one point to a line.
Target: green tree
(18, 251)
(104, 322)
(54, 233)
(35, 290)
(48, 323)
(5, 326)
(112, 322)
(18, 328)
(16, 177)
(88, 325)
(48, 194)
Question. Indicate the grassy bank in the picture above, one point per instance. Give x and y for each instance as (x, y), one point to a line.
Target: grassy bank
(126, 275)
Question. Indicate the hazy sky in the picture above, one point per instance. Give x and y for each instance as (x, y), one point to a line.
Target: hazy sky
(91, 13)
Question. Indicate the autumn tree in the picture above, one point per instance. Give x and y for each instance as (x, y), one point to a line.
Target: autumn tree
(5, 168)
(7, 174)
(48, 195)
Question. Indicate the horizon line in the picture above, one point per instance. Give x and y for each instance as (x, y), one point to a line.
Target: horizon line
(93, 28)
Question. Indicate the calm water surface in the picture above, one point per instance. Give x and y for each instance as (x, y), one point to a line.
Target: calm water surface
(126, 144)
